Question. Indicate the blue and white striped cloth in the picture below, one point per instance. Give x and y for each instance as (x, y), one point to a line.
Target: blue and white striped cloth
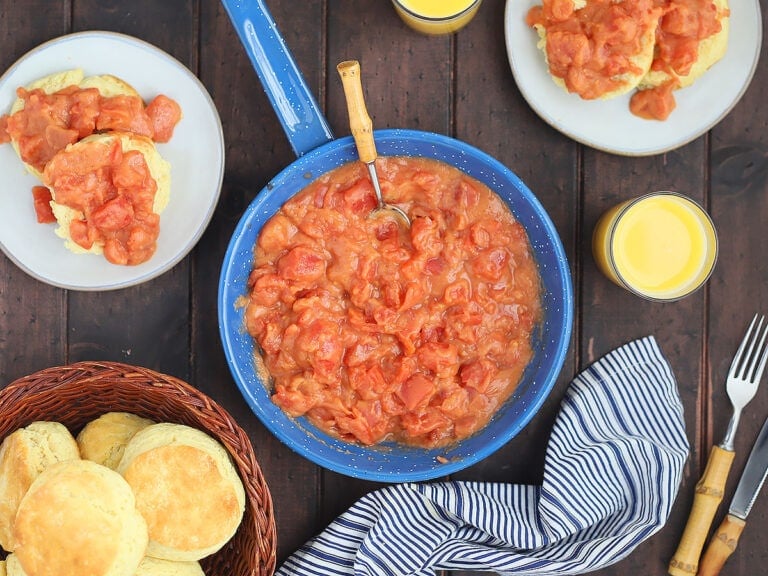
(612, 470)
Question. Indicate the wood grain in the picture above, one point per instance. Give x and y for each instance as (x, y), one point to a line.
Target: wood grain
(460, 85)
(33, 315)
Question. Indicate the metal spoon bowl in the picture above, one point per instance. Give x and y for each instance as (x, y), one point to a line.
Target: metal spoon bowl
(362, 131)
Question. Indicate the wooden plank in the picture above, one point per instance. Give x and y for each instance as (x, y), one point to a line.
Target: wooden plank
(406, 76)
(739, 204)
(33, 333)
(256, 149)
(148, 324)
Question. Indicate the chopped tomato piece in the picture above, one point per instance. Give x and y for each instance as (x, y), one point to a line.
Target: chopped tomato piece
(558, 10)
(113, 215)
(439, 357)
(78, 230)
(416, 391)
(360, 198)
(116, 252)
(43, 210)
(425, 236)
(132, 177)
(654, 103)
(301, 263)
(478, 374)
(83, 111)
(164, 113)
(4, 136)
(124, 113)
(490, 264)
(59, 138)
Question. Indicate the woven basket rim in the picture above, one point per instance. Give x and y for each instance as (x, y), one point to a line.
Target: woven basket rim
(62, 388)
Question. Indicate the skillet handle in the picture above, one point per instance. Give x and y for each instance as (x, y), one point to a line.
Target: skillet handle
(360, 123)
(281, 78)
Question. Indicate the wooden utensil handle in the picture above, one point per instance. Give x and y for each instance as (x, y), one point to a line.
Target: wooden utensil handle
(709, 493)
(359, 121)
(722, 545)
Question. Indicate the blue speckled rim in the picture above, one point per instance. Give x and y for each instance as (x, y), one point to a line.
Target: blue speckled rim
(390, 462)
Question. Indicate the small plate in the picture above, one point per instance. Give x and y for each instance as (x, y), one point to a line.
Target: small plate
(608, 124)
(196, 154)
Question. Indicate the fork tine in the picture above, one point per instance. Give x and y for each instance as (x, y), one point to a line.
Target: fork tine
(737, 367)
(757, 368)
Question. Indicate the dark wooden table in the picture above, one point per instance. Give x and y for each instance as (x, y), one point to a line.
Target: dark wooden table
(458, 85)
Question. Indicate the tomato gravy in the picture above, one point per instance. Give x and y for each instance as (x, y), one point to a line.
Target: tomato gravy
(50, 122)
(114, 191)
(595, 47)
(375, 331)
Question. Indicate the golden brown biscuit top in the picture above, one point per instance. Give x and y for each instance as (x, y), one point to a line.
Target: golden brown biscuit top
(187, 503)
(103, 440)
(79, 519)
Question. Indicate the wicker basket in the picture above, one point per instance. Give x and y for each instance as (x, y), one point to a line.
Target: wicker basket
(78, 393)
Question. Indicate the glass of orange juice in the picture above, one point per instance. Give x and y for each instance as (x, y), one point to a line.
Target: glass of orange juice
(661, 246)
(436, 16)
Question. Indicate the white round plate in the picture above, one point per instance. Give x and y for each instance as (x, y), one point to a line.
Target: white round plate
(196, 154)
(608, 124)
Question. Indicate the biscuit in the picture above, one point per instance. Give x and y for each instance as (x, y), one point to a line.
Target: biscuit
(106, 84)
(103, 440)
(12, 567)
(78, 518)
(156, 567)
(159, 169)
(187, 489)
(627, 81)
(24, 455)
(710, 51)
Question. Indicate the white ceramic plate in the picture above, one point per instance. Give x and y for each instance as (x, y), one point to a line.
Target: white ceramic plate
(609, 125)
(196, 154)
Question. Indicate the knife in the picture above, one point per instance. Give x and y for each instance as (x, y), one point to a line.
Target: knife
(726, 537)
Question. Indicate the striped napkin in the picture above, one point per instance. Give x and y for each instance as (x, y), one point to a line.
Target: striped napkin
(612, 470)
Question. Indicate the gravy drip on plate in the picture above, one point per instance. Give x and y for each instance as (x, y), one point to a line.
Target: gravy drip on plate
(378, 332)
(683, 25)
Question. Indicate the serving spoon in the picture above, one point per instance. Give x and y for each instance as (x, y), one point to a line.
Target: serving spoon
(362, 131)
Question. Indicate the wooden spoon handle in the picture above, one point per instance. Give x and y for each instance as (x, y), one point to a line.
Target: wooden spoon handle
(722, 545)
(709, 493)
(359, 121)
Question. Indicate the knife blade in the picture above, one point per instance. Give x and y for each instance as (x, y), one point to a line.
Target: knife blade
(726, 537)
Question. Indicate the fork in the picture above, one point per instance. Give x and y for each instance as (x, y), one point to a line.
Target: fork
(742, 381)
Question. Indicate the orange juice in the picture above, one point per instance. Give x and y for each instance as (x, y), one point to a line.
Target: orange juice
(436, 16)
(661, 246)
